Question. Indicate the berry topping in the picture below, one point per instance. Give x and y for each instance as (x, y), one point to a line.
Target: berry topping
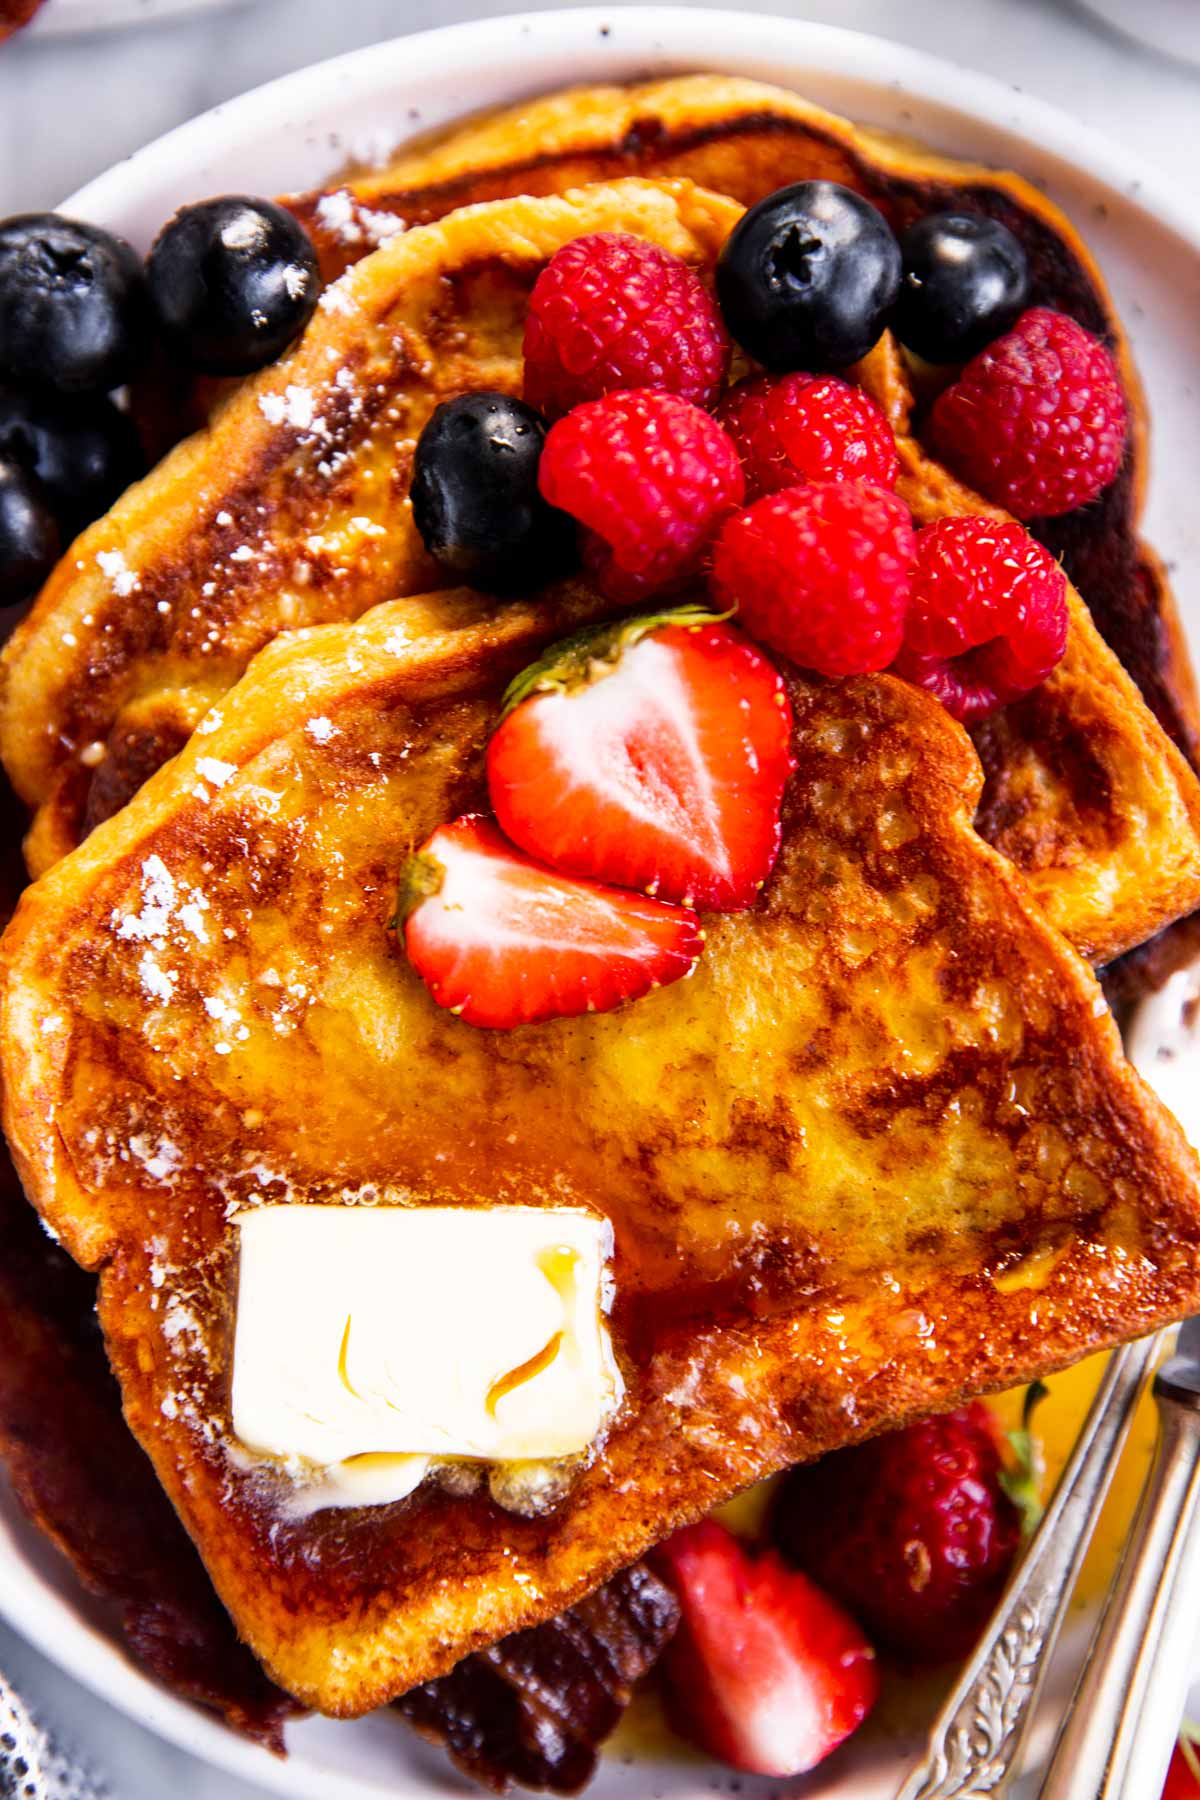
(652, 753)
(233, 281)
(611, 312)
(73, 313)
(794, 428)
(987, 620)
(502, 941)
(821, 574)
(29, 540)
(1037, 421)
(765, 1671)
(807, 277)
(83, 453)
(649, 477)
(914, 1531)
(475, 496)
(965, 281)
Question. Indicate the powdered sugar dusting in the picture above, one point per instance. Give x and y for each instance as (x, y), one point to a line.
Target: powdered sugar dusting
(349, 222)
(116, 570)
(159, 895)
(158, 982)
(216, 773)
(162, 905)
(295, 407)
(336, 299)
(160, 1158)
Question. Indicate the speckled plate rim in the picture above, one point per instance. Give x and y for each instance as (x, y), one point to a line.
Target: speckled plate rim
(297, 132)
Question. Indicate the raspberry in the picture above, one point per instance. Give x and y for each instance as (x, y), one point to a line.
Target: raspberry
(987, 619)
(793, 428)
(913, 1531)
(1037, 421)
(650, 478)
(610, 312)
(820, 573)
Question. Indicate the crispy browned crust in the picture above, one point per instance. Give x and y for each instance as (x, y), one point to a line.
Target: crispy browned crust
(1066, 787)
(745, 139)
(291, 507)
(879, 1152)
(104, 680)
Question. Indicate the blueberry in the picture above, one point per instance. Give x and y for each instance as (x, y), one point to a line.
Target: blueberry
(807, 277)
(83, 454)
(29, 539)
(233, 281)
(965, 281)
(73, 312)
(475, 495)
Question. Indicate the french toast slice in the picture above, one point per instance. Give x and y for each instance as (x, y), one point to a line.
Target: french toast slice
(746, 138)
(880, 1151)
(292, 508)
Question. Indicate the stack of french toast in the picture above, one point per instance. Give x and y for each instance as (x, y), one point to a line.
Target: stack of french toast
(867, 1148)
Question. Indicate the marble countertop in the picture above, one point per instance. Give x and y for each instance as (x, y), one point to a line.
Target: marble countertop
(70, 105)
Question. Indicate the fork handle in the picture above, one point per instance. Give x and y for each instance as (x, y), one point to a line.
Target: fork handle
(1120, 1729)
(978, 1736)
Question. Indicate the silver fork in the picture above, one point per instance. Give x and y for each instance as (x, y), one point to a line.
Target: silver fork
(1116, 1740)
(978, 1737)
(32, 1766)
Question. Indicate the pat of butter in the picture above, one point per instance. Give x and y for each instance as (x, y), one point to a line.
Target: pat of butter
(423, 1332)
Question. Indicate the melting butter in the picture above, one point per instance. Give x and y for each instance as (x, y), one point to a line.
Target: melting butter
(372, 1341)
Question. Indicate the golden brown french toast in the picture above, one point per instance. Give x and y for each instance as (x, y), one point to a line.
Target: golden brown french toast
(879, 1151)
(292, 508)
(746, 138)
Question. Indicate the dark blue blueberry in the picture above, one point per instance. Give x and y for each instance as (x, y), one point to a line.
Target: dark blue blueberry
(475, 494)
(233, 282)
(84, 454)
(965, 281)
(807, 277)
(29, 540)
(73, 312)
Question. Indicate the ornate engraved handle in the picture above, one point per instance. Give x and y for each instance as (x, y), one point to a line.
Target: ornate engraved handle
(31, 1766)
(1117, 1738)
(22, 1776)
(977, 1739)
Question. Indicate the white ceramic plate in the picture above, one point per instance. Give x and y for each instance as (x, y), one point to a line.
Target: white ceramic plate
(63, 18)
(295, 133)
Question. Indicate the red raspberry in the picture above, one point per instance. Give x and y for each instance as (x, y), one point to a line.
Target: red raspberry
(912, 1531)
(1037, 421)
(793, 428)
(610, 312)
(820, 573)
(650, 478)
(987, 619)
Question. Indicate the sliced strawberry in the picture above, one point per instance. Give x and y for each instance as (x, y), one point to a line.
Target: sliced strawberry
(766, 1671)
(652, 753)
(1183, 1776)
(503, 941)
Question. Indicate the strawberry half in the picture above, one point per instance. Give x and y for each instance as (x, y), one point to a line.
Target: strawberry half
(652, 753)
(766, 1671)
(1183, 1776)
(501, 941)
